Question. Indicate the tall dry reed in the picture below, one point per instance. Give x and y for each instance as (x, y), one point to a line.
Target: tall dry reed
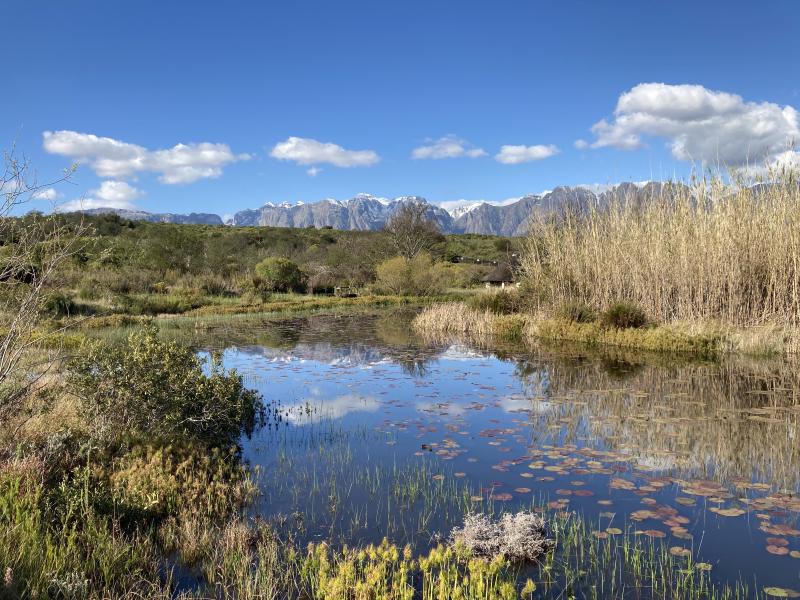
(708, 250)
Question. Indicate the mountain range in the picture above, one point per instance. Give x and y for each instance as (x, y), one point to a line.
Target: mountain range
(365, 212)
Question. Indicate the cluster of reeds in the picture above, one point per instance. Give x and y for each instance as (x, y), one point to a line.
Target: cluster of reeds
(714, 249)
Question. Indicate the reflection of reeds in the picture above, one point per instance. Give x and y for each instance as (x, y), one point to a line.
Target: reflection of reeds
(733, 420)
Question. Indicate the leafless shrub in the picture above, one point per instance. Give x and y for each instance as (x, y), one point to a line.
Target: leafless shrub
(32, 248)
(519, 537)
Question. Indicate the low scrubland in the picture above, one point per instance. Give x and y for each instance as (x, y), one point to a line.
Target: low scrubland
(139, 268)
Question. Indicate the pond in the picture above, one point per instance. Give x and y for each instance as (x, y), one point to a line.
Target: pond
(374, 432)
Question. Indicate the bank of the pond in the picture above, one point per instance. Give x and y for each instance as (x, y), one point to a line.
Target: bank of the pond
(703, 339)
(279, 305)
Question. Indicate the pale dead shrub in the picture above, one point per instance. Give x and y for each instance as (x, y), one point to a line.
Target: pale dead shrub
(518, 537)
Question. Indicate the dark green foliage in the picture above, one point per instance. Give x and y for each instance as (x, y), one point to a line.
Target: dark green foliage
(279, 274)
(503, 244)
(152, 388)
(577, 312)
(59, 305)
(501, 302)
(624, 315)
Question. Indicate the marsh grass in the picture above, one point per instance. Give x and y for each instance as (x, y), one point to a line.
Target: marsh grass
(713, 250)
(706, 339)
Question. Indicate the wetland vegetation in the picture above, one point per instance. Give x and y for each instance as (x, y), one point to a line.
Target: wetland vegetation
(263, 440)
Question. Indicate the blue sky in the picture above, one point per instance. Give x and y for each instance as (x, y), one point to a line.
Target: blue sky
(211, 106)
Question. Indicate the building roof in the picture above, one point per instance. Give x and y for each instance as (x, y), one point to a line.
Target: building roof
(502, 273)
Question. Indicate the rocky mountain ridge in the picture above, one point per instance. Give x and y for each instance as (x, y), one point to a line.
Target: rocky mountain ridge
(365, 212)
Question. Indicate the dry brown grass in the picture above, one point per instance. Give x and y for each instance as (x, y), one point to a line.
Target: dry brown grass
(449, 320)
(708, 251)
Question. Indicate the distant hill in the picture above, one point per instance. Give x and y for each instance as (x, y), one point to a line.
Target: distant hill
(140, 215)
(365, 212)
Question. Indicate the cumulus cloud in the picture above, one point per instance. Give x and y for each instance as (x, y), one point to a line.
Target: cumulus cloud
(449, 146)
(700, 124)
(110, 194)
(514, 155)
(581, 144)
(183, 163)
(46, 194)
(313, 171)
(306, 151)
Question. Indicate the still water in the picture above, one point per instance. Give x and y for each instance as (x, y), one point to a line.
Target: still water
(374, 432)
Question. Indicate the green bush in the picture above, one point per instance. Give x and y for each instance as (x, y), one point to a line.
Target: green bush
(576, 312)
(155, 388)
(418, 276)
(624, 315)
(499, 302)
(279, 274)
(57, 304)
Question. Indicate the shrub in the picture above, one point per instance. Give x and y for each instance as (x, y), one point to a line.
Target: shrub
(155, 305)
(516, 537)
(155, 388)
(576, 312)
(461, 275)
(624, 315)
(279, 274)
(179, 479)
(418, 276)
(501, 302)
(59, 305)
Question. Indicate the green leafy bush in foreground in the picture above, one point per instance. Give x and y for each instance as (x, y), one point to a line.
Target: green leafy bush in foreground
(148, 387)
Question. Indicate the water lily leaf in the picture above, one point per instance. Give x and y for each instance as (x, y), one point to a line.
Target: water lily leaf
(779, 592)
(728, 512)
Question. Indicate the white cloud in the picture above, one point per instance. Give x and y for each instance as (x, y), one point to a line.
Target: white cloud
(110, 194)
(701, 124)
(313, 171)
(514, 155)
(305, 151)
(183, 163)
(116, 192)
(449, 146)
(46, 194)
(581, 144)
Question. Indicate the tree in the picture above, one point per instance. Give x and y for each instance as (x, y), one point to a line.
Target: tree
(279, 274)
(418, 276)
(411, 231)
(32, 248)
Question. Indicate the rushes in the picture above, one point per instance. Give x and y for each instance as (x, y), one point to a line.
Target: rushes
(711, 250)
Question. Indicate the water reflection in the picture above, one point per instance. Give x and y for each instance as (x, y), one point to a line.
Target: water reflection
(378, 432)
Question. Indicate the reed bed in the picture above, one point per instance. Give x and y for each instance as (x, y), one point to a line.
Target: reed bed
(710, 250)
(448, 320)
